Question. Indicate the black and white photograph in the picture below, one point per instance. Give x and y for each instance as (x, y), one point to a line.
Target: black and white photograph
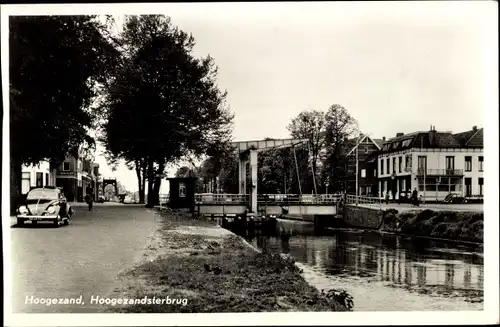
(250, 163)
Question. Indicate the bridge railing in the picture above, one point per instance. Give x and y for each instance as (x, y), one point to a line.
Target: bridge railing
(297, 199)
(271, 199)
(210, 198)
(362, 199)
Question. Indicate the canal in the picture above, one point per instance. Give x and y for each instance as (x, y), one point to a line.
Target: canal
(384, 272)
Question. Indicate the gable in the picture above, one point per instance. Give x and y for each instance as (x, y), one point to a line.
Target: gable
(365, 141)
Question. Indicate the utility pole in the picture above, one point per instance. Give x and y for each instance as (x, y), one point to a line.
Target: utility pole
(357, 167)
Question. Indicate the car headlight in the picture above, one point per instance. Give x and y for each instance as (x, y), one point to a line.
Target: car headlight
(23, 210)
(51, 210)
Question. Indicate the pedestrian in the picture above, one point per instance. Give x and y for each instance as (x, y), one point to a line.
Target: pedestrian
(89, 200)
(414, 197)
(387, 197)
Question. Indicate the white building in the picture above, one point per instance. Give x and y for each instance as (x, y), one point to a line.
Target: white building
(435, 163)
(38, 175)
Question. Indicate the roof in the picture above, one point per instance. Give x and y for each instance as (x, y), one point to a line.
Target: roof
(421, 140)
(379, 142)
(472, 138)
(354, 143)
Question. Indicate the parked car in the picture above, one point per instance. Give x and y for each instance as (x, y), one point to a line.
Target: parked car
(45, 204)
(454, 198)
(101, 199)
(127, 200)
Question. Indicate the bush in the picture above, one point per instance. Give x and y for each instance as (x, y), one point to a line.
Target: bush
(425, 215)
(340, 296)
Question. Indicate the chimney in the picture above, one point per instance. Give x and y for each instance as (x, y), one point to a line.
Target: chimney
(474, 128)
(432, 136)
(400, 134)
(383, 138)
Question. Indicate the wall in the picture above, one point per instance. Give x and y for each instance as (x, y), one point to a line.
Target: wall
(44, 168)
(436, 159)
(362, 217)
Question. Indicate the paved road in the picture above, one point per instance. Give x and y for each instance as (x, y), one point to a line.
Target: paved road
(83, 258)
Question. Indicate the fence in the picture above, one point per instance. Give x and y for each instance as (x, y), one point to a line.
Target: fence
(362, 199)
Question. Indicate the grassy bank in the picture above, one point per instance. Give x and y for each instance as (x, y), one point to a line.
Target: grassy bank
(217, 271)
(466, 226)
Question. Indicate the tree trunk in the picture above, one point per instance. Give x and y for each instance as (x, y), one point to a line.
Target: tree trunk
(139, 180)
(151, 173)
(157, 183)
(142, 192)
(15, 183)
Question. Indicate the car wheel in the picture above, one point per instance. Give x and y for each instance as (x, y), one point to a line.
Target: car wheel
(56, 222)
(20, 221)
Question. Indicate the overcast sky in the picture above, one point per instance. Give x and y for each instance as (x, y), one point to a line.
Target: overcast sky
(396, 67)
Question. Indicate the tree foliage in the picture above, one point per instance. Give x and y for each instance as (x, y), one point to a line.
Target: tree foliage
(55, 65)
(55, 62)
(340, 126)
(163, 102)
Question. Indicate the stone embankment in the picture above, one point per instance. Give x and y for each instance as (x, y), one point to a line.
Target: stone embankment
(209, 269)
(459, 226)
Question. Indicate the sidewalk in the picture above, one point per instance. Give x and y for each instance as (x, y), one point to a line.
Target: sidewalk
(213, 270)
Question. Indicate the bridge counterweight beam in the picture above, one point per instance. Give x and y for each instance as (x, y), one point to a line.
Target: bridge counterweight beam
(242, 177)
(253, 174)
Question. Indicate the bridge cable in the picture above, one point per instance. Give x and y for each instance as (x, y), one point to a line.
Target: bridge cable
(298, 180)
(312, 169)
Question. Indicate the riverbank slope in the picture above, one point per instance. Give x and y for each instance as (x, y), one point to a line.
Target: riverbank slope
(453, 225)
(215, 271)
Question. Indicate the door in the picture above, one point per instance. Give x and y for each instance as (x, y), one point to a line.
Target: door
(468, 186)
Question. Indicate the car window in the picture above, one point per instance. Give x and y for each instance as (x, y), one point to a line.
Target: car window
(45, 194)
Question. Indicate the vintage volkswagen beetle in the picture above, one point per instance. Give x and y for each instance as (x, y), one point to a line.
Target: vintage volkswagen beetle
(45, 204)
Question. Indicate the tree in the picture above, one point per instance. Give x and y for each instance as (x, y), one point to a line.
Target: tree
(163, 102)
(340, 126)
(310, 125)
(56, 63)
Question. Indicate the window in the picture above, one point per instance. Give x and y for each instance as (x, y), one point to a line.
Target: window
(381, 166)
(406, 143)
(39, 179)
(408, 163)
(468, 163)
(65, 166)
(422, 163)
(394, 165)
(25, 183)
(47, 179)
(388, 162)
(450, 163)
(366, 149)
(480, 181)
(400, 164)
(363, 173)
(182, 190)
(480, 163)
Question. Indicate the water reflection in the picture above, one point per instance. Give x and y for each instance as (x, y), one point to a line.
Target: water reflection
(424, 267)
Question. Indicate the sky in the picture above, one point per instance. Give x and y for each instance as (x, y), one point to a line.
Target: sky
(396, 67)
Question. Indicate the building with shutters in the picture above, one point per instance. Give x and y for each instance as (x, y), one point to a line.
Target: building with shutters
(435, 163)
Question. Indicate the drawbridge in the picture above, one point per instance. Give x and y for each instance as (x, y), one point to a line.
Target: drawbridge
(269, 204)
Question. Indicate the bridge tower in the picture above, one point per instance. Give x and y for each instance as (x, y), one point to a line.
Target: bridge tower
(248, 153)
